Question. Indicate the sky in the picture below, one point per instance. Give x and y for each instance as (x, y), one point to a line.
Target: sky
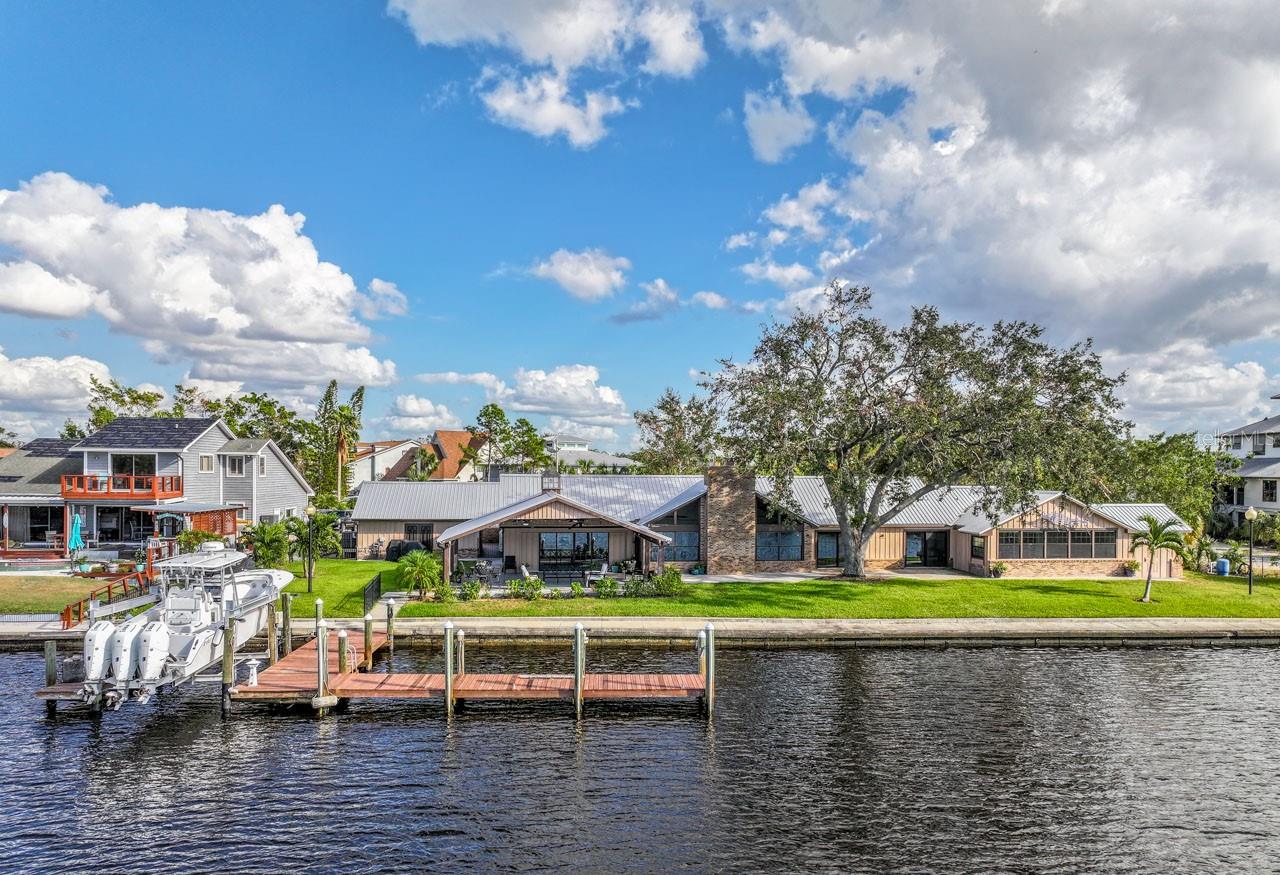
(566, 207)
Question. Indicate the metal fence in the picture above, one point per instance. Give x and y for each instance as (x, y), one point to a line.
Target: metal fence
(372, 592)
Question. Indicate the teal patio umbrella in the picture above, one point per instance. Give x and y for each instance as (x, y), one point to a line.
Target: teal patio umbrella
(76, 541)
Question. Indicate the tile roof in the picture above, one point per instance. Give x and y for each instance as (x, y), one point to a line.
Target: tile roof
(147, 433)
(448, 447)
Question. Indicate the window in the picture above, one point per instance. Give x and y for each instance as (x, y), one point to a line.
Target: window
(1082, 545)
(1010, 545)
(424, 532)
(1236, 442)
(235, 466)
(262, 466)
(133, 465)
(829, 549)
(779, 545)
(684, 547)
(1260, 444)
(1275, 439)
(206, 463)
(978, 547)
(684, 516)
(771, 517)
(1268, 490)
(1032, 545)
(573, 548)
(1056, 544)
(1104, 544)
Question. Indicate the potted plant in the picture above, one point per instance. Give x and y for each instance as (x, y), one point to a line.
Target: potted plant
(139, 559)
(998, 569)
(81, 563)
(1131, 567)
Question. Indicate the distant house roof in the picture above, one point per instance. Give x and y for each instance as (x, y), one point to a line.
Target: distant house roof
(38, 475)
(365, 449)
(148, 433)
(1262, 426)
(5, 451)
(448, 447)
(243, 446)
(1260, 467)
(595, 457)
(50, 447)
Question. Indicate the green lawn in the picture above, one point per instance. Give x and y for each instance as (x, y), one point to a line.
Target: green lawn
(340, 582)
(41, 593)
(1197, 596)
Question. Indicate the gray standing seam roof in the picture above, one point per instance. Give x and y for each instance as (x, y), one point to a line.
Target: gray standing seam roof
(1260, 467)
(1262, 426)
(147, 433)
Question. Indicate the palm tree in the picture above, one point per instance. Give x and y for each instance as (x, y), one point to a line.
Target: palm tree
(1156, 536)
(345, 425)
(421, 571)
(270, 542)
(423, 466)
(1201, 551)
(1234, 554)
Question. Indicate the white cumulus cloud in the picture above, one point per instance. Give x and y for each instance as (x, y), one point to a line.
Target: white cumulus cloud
(413, 413)
(775, 125)
(590, 275)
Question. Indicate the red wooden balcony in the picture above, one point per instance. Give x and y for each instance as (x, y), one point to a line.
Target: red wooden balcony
(122, 486)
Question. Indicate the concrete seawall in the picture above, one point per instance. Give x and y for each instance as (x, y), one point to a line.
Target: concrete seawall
(679, 632)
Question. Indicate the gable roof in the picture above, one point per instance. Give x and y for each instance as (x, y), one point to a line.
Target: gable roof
(243, 446)
(526, 505)
(36, 475)
(365, 449)
(150, 433)
(448, 446)
(1262, 426)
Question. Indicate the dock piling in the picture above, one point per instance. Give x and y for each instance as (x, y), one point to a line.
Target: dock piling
(50, 673)
(319, 610)
(448, 668)
(391, 625)
(342, 651)
(273, 645)
(286, 621)
(579, 666)
(709, 671)
(368, 642)
(461, 636)
(228, 663)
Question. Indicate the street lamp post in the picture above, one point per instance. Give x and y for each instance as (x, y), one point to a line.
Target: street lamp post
(1251, 514)
(311, 542)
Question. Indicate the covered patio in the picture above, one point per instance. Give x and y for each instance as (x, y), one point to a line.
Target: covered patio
(557, 538)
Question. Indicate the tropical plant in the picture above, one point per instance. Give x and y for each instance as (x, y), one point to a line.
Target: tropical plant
(470, 590)
(529, 588)
(421, 571)
(269, 543)
(425, 463)
(191, 539)
(1155, 536)
(1201, 552)
(7, 438)
(1234, 554)
(607, 588)
(998, 569)
(576, 589)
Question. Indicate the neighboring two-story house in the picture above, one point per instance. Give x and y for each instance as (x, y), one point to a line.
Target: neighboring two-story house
(140, 477)
(571, 451)
(1257, 445)
(453, 449)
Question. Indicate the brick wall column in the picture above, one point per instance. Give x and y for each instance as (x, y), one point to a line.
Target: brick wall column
(730, 520)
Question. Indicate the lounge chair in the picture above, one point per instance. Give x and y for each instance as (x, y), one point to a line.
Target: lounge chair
(593, 576)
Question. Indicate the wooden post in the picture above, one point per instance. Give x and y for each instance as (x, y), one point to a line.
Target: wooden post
(50, 673)
(391, 625)
(579, 666)
(448, 668)
(273, 645)
(322, 659)
(287, 622)
(368, 641)
(228, 663)
(709, 672)
(342, 652)
(462, 651)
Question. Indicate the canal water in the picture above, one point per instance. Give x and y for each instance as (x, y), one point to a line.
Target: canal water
(819, 761)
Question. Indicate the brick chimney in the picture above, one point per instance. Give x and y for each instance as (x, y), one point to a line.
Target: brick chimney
(730, 520)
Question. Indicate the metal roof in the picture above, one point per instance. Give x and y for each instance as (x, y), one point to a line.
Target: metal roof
(1130, 515)
(595, 457)
(974, 521)
(524, 506)
(147, 433)
(693, 493)
(240, 446)
(185, 507)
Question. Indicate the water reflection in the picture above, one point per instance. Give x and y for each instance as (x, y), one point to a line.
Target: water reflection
(823, 760)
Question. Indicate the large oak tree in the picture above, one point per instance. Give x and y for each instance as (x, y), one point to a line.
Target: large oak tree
(887, 414)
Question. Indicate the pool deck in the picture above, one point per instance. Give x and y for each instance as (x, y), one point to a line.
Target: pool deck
(680, 631)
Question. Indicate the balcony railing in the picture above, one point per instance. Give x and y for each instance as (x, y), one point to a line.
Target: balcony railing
(105, 486)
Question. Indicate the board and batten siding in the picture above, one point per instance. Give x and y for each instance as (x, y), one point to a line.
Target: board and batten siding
(523, 543)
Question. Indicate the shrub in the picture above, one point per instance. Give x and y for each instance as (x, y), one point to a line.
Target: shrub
(633, 587)
(270, 544)
(669, 584)
(470, 590)
(607, 588)
(191, 539)
(576, 590)
(998, 569)
(529, 589)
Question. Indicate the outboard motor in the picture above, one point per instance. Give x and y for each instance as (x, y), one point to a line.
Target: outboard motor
(98, 651)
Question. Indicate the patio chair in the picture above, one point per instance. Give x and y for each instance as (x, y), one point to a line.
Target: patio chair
(593, 576)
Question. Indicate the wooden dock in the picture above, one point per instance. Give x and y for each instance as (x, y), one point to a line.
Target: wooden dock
(295, 679)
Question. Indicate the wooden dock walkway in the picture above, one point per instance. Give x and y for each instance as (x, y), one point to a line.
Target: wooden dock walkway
(295, 680)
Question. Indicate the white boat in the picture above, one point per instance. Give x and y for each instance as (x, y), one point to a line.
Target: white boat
(182, 635)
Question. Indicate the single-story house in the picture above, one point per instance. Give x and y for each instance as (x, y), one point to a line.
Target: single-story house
(562, 525)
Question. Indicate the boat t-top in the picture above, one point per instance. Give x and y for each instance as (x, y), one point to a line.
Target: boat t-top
(181, 636)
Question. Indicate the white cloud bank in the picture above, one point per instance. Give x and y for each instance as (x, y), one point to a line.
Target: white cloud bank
(589, 275)
(569, 391)
(421, 416)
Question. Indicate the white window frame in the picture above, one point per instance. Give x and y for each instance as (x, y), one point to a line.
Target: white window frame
(210, 458)
(262, 466)
(231, 473)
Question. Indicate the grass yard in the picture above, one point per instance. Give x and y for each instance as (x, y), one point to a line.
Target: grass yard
(41, 593)
(340, 582)
(1198, 595)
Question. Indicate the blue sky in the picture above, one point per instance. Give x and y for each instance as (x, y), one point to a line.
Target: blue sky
(432, 155)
